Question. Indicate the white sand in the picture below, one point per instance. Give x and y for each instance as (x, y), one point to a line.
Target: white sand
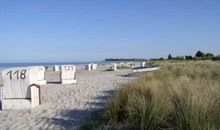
(66, 106)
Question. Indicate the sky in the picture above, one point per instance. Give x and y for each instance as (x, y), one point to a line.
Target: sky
(90, 30)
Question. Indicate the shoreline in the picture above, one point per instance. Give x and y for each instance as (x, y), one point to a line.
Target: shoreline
(49, 64)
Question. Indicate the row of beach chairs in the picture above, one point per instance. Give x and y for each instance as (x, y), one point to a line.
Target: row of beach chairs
(21, 85)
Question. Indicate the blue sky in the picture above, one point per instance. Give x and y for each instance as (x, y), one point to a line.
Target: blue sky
(82, 30)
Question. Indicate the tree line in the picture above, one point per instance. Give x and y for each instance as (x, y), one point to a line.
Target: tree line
(198, 56)
(124, 59)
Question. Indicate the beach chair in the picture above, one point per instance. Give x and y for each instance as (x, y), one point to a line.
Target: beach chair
(114, 67)
(56, 68)
(143, 64)
(68, 74)
(20, 88)
(93, 66)
(88, 67)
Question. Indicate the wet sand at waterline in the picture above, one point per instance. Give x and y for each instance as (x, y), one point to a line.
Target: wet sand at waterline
(66, 106)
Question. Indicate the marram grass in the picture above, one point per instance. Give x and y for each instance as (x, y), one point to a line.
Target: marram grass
(180, 96)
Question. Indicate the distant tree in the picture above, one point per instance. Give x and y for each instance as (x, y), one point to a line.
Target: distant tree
(216, 57)
(161, 58)
(200, 54)
(180, 58)
(209, 55)
(170, 57)
(188, 57)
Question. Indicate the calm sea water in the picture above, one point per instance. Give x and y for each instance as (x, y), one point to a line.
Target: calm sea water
(9, 65)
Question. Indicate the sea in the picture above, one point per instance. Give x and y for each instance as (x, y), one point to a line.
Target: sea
(50, 64)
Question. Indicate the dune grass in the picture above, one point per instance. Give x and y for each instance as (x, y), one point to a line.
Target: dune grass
(180, 96)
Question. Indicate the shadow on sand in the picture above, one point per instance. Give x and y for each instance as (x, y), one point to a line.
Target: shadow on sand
(56, 82)
(71, 118)
(131, 75)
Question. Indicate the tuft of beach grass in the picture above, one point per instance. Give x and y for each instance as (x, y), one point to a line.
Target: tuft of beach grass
(180, 96)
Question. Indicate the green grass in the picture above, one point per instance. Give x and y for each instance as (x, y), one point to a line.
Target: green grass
(180, 96)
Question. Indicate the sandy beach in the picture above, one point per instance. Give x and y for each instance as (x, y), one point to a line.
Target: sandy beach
(66, 106)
